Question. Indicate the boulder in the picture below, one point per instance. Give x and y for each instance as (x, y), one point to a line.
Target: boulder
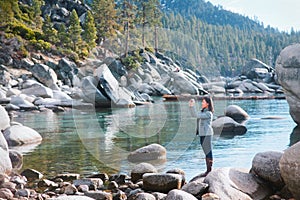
(140, 169)
(110, 87)
(19, 135)
(5, 77)
(5, 162)
(38, 90)
(22, 103)
(5, 193)
(295, 136)
(147, 153)
(182, 85)
(45, 75)
(98, 195)
(226, 126)
(144, 196)
(66, 71)
(72, 197)
(16, 159)
(230, 183)
(197, 188)
(266, 166)
(91, 94)
(288, 76)
(5, 121)
(236, 113)
(160, 89)
(164, 183)
(32, 174)
(92, 183)
(180, 194)
(289, 168)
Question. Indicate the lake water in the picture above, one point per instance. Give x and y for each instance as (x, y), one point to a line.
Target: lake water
(92, 141)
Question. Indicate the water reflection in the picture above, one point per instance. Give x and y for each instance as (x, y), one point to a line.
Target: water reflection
(295, 136)
(87, 141)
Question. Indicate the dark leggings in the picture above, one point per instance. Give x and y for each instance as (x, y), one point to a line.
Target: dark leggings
(205, 142)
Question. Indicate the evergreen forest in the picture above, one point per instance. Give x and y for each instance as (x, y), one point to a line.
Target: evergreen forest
(195, 32)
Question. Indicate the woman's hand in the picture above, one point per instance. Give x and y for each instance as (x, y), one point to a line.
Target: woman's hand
(191, 102)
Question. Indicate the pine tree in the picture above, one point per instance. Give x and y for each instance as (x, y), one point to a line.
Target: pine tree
(6, 12)
(149, 15)
(50, 33)
(63, 36)
(127, 14)
(89, 34)
(37, 12)
(105, 18)
(74, 31)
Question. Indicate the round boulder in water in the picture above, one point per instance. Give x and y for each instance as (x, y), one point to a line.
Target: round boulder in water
(236, 113)
(147, 153)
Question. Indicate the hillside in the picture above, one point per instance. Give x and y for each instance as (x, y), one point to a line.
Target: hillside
(207, 12)
(194, 32)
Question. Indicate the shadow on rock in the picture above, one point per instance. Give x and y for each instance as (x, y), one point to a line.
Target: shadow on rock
(295, 136)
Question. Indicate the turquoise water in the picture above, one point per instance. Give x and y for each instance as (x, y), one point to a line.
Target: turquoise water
(92, 141)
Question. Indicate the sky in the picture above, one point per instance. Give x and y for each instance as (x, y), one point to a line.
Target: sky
(281, 14)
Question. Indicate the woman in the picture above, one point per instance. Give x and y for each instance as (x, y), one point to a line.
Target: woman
(204, 128)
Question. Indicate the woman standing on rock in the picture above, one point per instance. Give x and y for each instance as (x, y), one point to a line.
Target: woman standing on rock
(204, 128)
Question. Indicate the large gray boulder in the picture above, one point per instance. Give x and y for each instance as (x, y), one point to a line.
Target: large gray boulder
(230, 183)
(4, 122)
(38, 90)
(266, 166)
(91, 94)
(289, 167)
(19, 135)
(45, 75)
(288, 76)
(119, 96)
(182, 85)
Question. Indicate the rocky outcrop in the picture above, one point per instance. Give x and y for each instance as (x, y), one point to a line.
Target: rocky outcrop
(229, 183)
(288, 73)
(258, 71)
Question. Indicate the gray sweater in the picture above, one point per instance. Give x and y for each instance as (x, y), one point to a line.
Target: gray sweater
(205, 121)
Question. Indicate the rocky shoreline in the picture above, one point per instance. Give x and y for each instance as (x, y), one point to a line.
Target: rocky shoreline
(265, 180)
(42, 82)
